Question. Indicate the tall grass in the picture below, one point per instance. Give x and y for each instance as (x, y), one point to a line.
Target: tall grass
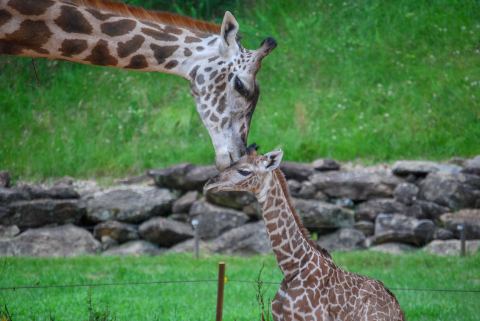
(370, 80)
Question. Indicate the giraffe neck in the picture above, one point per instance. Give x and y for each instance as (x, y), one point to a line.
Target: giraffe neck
(289, 239)
(79, 33)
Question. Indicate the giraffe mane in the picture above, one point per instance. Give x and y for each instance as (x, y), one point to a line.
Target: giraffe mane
(151, 15)
(306, 234)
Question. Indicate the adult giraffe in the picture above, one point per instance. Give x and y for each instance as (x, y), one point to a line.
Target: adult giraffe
(220, 71)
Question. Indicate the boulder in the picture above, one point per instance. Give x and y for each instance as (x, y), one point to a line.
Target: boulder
(247, 239)
(61, 191)
(303, 189)
(4, 179)
(183, 204)
(451, 247)
(180, 217)
(296, 171)
(442, 234)
(8, 195)
(325, 164)
(7, 232)
(393, 248)
(423, 168)
(183, 176)
(235, 200)
(357, 185)
(214, 220)
(65, 240)
(131, 204)
(36, 213)
(424, 209)
(345, 239)
(318, 216)
(368, 211)
(120, 232)
(165, 232)
(405, 193)
(189, 246)
(403, 229)
(133, 248)
(472, 166)
(366, 227)
(455, 191)
(470, 218)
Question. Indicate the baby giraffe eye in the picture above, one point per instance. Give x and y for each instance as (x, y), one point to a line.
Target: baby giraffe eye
(243, 172)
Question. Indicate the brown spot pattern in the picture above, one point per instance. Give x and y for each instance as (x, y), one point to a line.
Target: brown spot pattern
(4, 17)
(100, 16)
(190, 39)
(125, 49)
(187, 52)
(30, 7)
(158, 35)
(162, 52)
(72, 21)
(101, 55)
(118, 28)
(171, 64)
(137, 62)
(31, 35)
(73, 47)
(173, 30)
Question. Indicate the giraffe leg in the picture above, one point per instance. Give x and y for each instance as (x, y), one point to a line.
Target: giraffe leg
(277, 303)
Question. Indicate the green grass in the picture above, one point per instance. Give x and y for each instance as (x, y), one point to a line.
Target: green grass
(196, 301)
(369, 80)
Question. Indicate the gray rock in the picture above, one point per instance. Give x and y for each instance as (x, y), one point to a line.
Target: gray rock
(61, 191)
(7, 232)
(134, 248)
(303, 189)
(107, 242)
(253, 210)
(472, 166)
(366, 227)
(393, 248)
(345, 239)
(66, 240)
(424, 209)
(451, 247)
(400, 228)
(344, 202)
(214, 220)
(318, 216)
(8, 195)
(165, 232)
(358, 185)
(180, 217)
(36, 213)
(4, 179)
(455, 191)
(443, 234)
(120, 232)
(406, 193)
(326, 164)
(189, 246)
(244, 240)
(470, 218)
(423, 168)
(183, 204)
(297, 171)
(183, 176)
(131, 204)
(235, 200)
(368, 211)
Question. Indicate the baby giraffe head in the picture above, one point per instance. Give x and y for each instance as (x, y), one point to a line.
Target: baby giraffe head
(251, 173)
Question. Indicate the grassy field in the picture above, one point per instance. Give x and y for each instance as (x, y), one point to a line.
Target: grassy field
(196, 301)
(368, 80)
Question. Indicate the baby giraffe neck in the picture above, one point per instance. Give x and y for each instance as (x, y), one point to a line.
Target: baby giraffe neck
(287, 235)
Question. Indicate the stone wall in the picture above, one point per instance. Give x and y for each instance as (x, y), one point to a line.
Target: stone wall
(403, 207)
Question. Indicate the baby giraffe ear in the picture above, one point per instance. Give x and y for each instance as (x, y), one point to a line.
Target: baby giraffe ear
(228, 33)
(273, 160)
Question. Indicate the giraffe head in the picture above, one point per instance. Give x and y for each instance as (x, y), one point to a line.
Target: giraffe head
(251, 173)
(223, 83)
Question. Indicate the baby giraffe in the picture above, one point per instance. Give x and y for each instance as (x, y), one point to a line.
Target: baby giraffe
(313, 287)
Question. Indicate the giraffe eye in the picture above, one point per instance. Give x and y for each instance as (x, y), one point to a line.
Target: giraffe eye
(243, 172)
(240, 87)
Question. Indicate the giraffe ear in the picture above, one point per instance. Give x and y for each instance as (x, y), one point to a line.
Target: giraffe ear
(273, 160)
(228, 33)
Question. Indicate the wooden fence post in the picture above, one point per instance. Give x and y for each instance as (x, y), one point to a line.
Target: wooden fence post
(221, 285)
